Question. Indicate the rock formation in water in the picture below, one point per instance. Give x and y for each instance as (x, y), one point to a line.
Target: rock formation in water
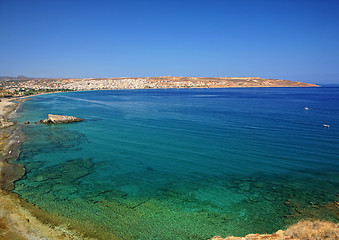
(52, 118)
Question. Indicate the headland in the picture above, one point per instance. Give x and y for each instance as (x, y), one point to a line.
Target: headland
(30, 86)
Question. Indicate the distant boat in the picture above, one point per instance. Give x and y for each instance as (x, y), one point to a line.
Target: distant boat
(306, 108)
(326, 125)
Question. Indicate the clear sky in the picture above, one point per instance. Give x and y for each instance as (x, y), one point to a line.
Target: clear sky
(294, 40)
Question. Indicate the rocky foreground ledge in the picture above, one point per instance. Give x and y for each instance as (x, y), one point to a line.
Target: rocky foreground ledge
(303, 230)
(52, 118)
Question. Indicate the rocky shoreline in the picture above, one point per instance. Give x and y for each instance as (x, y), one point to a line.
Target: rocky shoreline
(11, 138)
(20, 220)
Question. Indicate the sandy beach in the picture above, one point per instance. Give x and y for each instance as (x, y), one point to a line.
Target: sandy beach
(4, 104)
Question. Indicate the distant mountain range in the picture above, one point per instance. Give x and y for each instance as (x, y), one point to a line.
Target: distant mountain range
(20, 77)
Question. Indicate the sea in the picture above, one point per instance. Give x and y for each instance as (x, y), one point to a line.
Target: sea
(183, 163)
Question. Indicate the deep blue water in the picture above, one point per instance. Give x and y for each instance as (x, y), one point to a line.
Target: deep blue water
(186, 163)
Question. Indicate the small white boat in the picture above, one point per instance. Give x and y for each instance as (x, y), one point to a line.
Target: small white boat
(326, 125)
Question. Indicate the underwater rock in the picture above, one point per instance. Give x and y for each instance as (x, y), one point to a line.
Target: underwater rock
(52, 118)
(269, 197)
(40, 178)
(244, 186)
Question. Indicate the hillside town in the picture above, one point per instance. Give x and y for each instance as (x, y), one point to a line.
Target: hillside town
(28, 86)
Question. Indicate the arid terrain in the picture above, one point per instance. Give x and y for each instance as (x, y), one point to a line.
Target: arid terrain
(27, 86)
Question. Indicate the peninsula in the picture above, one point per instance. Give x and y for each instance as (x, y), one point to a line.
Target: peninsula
(21, 85)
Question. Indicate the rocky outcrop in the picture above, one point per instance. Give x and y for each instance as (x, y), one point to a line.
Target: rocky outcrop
(310, 230)
(52, 118)
(5, 123)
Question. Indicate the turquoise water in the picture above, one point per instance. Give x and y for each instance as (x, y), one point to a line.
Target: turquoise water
(186, 163)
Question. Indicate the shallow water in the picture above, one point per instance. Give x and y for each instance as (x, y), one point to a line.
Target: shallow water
(187, 163)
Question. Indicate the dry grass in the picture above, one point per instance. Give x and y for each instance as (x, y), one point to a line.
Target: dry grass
(303, 230)
(314, 230)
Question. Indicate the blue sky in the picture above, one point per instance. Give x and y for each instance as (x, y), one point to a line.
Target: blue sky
(294, 40)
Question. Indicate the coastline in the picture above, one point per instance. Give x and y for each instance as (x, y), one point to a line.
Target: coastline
(39, 85)
(22, 220)
(11, 138)
(18, 218)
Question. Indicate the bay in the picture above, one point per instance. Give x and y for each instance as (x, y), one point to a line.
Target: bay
(184, 163)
